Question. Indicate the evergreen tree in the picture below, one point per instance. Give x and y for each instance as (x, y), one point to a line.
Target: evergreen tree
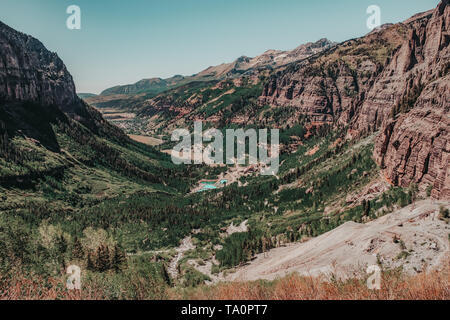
(118, 259)
(61, 245)
(103, 262)
(90, 262)
(77, 249)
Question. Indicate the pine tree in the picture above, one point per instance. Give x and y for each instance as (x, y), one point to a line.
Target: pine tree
(61, 245)
(90, 263)
(77, 249)
(103, 262)
(118, 259)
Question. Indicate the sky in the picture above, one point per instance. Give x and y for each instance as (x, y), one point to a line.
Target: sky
(122, 42)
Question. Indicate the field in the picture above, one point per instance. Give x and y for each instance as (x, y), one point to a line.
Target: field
(146, 140)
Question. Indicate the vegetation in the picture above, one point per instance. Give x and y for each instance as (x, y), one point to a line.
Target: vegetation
(137, 285)
(394, 286)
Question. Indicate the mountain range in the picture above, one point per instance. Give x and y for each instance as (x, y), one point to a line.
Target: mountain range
(393, 80)
(243, 65)
(364, 133)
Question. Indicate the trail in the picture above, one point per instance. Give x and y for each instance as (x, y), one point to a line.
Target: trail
(186, 245)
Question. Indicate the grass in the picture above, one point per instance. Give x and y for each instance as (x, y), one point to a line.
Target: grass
(394, 286)
(138, 285)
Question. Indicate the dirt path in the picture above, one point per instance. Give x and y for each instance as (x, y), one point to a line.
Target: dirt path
(186, 245)
(413, 238)
(206, 266)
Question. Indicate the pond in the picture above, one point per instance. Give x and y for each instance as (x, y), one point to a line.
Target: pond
(207, 186)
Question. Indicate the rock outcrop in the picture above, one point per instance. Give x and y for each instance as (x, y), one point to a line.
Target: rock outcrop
(396, 80)
(36, 90)
(414, 144)
(415, 147)
(29, 72)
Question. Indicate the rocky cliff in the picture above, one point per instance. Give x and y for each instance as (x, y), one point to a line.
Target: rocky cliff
(414, 142)
(394, 80)
(36, 90)
(29, 72)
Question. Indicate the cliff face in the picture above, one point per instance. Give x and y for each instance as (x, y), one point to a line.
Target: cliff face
(36, 90)
(331, 86)
(414, 146)
(29, 72)
(394, 80)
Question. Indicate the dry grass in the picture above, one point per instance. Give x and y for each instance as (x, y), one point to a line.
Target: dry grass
(38, 288)
(146, 140)
(33, 287)
(395, 286)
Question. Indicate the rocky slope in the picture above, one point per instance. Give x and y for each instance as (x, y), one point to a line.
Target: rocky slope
(412, 238)
(395, 80)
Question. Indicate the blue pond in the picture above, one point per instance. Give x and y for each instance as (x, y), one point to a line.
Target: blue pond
(207, 186)
(211, 185)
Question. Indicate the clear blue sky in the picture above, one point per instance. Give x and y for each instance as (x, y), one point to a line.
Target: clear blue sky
(123, 41)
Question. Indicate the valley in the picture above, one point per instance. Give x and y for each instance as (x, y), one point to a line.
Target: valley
(88, 180)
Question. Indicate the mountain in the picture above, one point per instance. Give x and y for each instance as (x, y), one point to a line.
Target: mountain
(29, 72)
(36, 89)
(168, 101)
(47, 132)
(86, 95)
(363, 133)
(153, 86)
(270, 59)
(394, 80)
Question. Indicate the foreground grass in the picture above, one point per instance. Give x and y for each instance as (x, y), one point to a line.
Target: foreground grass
(394, 286)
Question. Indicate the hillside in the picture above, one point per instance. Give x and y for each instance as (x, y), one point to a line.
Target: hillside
(364, 155)
(53, 146)
(414, 238)
(393, 80)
